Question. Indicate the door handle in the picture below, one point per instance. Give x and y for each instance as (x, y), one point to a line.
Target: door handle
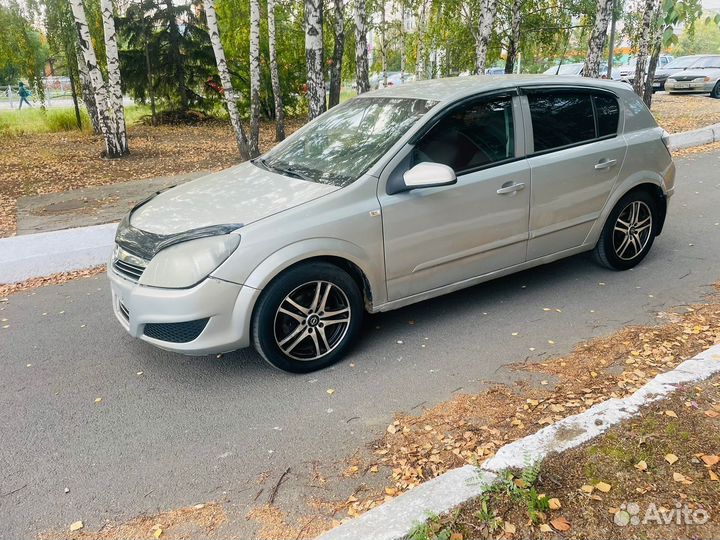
(605, 164)
(511, 188)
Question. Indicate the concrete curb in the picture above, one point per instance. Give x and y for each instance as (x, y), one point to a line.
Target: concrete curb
(38, 255)
(696, 137)
(395, 519)
(44, 254)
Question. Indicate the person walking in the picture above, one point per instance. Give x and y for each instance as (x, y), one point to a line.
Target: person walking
(24, 93)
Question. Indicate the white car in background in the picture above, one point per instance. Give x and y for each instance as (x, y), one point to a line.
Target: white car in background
(702, 78)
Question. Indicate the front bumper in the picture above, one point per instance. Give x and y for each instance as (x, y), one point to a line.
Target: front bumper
(689, 87)
(226, 306)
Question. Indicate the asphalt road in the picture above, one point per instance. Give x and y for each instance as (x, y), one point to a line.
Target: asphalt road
(189, 430)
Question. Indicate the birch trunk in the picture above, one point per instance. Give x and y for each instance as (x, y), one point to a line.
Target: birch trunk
(514, 46)
(655, 55)
(597, 39)
(383, 45)
(338, 51)
(645, 39)
(228, 92)
(403, 54)
(254, 77)
(115, 97)
(151, 84)
(361, 48)
(488, 10)
(275, 75)
(420, 58)
(113, 146)
(314, 57)
(86, 91)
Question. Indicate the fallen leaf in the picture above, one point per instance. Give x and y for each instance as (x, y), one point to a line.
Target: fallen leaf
(98, 400)
(554, 504)
(671, 414)
(331, 391)
(603, 486)
(456, 536)
(671, 458)
(509, 528)
(391, 429)
(560, 524)
(641, 465)
(677, 477)
(712, 414)
(391, 491)
(157, 533)
(710, 460)
(714, 477)
(76, 526)
(544, 527)
(587, 488)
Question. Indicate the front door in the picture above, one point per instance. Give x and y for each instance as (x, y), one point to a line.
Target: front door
(443, 235)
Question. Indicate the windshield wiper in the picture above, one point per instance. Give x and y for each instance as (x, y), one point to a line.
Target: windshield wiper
(288, 171)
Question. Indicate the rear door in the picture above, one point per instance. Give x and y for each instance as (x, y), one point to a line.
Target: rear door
(576, 155)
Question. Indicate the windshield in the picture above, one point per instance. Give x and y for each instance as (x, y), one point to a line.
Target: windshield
(682, 62)
(344, 143)
(708, 62)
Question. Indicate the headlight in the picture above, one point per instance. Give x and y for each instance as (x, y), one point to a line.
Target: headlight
(183, 265)
(701, 79)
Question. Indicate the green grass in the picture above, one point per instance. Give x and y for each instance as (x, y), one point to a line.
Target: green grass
(32, 121)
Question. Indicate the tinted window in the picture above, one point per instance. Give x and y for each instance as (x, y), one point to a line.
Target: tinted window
(471, 136)
(561, 119)
(608, 114)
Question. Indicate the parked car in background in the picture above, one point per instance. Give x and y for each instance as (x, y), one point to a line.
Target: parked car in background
(575, 68)
(702, 77)
(495, 71)
(626, 72)
(393, 79)
(390, 198)
(680, 63)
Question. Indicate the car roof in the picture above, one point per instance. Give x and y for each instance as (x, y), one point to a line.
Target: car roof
(453, 88)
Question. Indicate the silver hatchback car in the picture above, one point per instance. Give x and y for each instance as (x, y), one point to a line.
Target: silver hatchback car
(393, 197)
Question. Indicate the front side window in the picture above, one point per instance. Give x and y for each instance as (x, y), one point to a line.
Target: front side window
(561, 119)
(344, 143)
(471, 136)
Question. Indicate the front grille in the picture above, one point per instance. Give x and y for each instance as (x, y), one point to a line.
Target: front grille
(127, 269)
(124, 311)
(685, 78)
(176, 332)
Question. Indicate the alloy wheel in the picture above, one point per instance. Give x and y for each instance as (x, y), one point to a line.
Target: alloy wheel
(312, 320)
(633, 229)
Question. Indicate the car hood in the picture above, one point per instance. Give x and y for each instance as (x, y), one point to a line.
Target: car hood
(700, 72)
(239, 195)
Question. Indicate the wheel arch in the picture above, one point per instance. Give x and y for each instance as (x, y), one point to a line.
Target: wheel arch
(658, 195)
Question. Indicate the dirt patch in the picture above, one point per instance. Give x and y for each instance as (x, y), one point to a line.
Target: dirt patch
(677, 113)
(199, 521)
(54, 279)
(685, 152)
(58, 162)
(655, 476)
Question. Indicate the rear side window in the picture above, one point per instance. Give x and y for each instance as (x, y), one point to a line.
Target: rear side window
(608, 114)
(561, 119)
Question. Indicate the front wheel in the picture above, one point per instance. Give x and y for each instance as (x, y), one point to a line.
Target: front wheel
(308, 318)
(716, 91)
(629, 232)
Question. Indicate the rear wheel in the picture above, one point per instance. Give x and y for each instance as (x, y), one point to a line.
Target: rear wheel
(629, 232)
(308, 318)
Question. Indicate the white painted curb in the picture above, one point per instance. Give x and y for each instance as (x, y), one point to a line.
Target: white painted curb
(696, 137)
(395, 519)
(43, 254)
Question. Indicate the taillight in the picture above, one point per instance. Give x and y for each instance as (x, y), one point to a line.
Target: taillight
(666, 139)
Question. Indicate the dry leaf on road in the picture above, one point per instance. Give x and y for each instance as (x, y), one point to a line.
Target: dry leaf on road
(560, 524)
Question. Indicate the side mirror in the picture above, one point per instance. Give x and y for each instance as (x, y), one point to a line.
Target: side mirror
(428, 174)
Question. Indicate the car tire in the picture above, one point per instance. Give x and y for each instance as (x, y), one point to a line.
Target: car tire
(629, 231)
(308, 317)
(716, 91)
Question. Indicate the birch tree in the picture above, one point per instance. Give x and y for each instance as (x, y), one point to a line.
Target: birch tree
(383, 44)
(403, 53)
(362, 68)
(596, 45)
(420, 57)
(228, 92)
(314, 57)
(115, 96)
(275, 74)
(113, 144)
(482, 27)
(338, 51)
(644, 47)
(254, 77)
(514, 42)
(87, 93)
